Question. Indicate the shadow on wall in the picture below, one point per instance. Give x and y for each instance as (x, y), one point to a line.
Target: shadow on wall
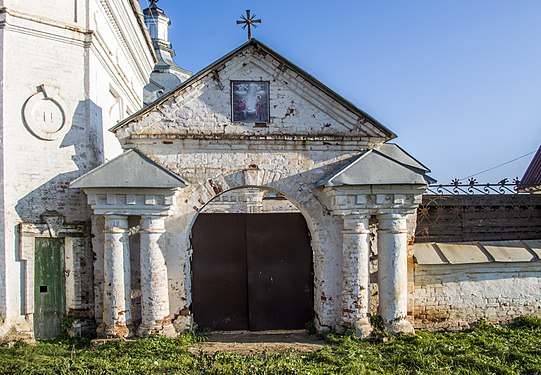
(86, 138)
(516, 273)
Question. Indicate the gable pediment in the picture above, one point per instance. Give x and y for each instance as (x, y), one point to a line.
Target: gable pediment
(131, 169)
(299, 105)
(387, 165)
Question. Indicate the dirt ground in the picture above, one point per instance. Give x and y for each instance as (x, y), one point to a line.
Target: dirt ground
(248, 343)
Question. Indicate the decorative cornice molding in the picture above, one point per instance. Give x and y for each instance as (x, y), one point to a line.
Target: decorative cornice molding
(266, 137)
(74, 34)
(113, 201)
(121, 28)
(60, 31)
(71, 26)
(375, 200)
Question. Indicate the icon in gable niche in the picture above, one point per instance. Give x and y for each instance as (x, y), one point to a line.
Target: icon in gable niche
(250, 101)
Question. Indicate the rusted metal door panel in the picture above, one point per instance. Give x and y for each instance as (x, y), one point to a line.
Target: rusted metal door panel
(279, 271)
(251, 271)
(49, 290)
(220, 298)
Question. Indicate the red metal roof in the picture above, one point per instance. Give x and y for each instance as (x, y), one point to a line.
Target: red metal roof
(532, 176)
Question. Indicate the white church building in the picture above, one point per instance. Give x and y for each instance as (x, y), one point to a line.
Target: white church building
(69, 69)
(247, 196)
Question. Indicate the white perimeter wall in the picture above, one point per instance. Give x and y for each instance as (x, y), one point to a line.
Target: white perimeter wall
(454, 296)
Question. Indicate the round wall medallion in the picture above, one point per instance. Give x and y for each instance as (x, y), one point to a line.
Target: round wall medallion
(43, 116)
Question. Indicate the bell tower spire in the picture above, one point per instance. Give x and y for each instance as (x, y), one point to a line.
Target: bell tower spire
(166, 74)
(157, 22)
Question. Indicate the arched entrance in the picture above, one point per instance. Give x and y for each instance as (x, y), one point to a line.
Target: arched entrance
(252, 264)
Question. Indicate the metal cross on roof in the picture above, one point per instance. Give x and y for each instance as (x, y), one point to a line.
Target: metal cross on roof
(248, 21)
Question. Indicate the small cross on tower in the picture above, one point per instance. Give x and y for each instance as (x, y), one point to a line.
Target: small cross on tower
(248, 21)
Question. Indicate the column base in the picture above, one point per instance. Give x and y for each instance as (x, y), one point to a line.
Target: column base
(399, 326)
(167, 330)
(100, 330)
(340, 329)
(363, 329)
(118, 331)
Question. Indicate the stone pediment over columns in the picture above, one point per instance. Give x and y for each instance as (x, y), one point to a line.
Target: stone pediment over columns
(380, 180)
(387, 164)
(130, 184)
(385, 184)
(132, 169)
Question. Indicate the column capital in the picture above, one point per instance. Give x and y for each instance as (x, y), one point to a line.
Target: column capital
(116, 223)
(392, 222)
(356, 223)
(153, 223)
(392, 215)
(157, 216)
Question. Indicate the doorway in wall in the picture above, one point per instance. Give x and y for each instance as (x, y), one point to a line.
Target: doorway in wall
(49, 288)
(252, 271)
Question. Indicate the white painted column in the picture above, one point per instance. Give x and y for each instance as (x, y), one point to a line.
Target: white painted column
(393, 272)
(116, 274)
(154, 282)
(356, 275)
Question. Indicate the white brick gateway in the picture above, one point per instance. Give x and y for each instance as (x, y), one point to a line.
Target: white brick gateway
(320, 152)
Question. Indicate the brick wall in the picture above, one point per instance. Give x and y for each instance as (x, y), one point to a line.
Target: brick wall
(455, 296)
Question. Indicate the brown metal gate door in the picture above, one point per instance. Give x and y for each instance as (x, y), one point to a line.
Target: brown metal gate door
(279, 271)
(251, 271)
(219, 296)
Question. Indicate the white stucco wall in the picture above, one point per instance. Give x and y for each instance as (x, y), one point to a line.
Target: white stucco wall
(455, 296)
(3, 295)
(55, 44)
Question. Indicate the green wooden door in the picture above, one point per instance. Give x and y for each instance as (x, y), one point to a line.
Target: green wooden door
(49, 290)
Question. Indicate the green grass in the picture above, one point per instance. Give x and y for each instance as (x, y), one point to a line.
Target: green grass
(488, 349)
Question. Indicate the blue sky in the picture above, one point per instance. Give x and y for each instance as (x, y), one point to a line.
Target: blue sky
(459, 81)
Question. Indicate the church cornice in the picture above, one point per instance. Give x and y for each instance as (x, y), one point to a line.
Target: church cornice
(78, 35)
(13, 19)
(266, 137)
